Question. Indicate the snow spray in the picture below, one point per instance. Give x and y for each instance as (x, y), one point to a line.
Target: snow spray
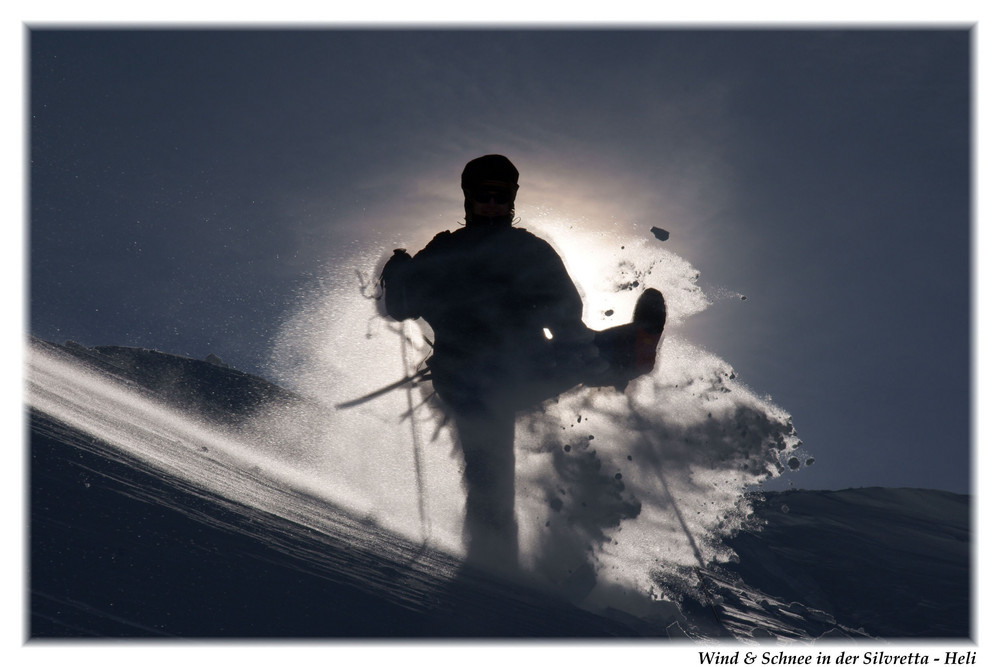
(617, 491)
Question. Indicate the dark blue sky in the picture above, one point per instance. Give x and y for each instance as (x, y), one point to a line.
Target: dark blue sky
(187, 186)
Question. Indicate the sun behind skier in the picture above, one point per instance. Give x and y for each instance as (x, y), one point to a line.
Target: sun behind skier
(508, 334)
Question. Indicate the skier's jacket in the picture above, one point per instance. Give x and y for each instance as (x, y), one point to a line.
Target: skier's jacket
(504, 311)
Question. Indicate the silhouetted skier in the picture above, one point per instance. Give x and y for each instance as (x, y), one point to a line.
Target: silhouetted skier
(508, 334)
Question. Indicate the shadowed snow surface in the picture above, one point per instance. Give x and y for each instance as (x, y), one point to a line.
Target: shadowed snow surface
(150, 516)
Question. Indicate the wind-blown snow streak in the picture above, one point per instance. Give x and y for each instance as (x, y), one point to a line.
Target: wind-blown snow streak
(635, 489)
(243, 468)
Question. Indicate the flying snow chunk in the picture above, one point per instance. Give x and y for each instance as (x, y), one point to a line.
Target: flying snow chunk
(660, 234)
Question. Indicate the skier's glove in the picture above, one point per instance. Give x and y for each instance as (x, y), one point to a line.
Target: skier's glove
(393, 284)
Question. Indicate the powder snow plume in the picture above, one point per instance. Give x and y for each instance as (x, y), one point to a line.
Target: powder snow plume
(616, 491)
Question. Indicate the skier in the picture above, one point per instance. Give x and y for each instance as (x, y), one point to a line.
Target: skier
(508, 334)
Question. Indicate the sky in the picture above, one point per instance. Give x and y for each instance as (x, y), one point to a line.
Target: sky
(188, 187)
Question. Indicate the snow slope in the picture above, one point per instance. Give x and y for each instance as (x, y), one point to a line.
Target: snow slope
(895, 562)
(150, 515)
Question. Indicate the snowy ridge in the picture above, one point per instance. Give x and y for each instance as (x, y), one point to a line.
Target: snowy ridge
(897, 562)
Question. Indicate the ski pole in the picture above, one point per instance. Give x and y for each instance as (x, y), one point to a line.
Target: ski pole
(419, 375)
(415, 432)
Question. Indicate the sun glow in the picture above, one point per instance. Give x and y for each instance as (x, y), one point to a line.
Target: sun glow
(611, 263)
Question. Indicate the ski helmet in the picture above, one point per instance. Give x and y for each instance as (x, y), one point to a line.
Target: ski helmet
(495, 170)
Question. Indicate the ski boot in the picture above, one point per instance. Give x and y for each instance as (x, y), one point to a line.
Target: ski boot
(630, 349)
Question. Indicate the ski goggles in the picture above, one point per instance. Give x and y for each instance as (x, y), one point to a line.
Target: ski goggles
(486, 195)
